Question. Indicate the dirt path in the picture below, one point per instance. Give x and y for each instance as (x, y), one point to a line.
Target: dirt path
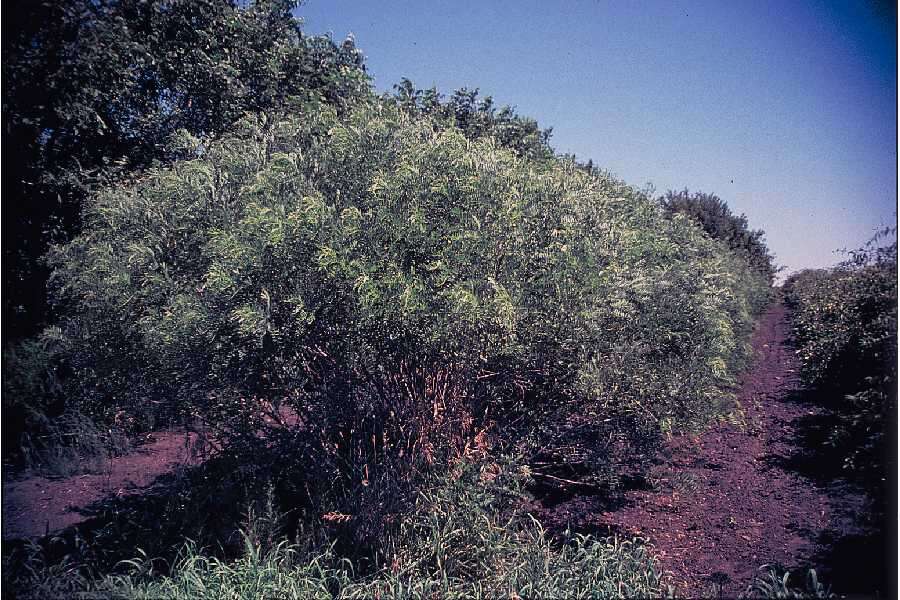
(35, 506)
(723, 503)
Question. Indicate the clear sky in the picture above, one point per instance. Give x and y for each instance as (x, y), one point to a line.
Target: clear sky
(786, 109)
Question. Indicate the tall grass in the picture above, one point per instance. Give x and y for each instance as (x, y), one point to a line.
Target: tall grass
(465, 538)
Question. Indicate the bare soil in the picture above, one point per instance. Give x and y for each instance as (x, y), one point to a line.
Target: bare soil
(36, 506)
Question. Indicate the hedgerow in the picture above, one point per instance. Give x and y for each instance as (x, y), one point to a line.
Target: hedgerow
(845, 328)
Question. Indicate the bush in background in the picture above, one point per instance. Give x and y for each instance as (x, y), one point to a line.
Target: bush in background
(713, 215)
(39, 431)
(476, 119)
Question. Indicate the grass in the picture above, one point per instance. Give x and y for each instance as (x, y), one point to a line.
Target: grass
(464, 538)
(777, 582)
(518, 564)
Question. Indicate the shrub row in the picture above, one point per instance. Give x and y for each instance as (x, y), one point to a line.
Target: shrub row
(845, 326)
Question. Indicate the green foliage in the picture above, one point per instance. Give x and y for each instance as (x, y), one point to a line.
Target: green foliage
(40, 577)
(714, 216)
(845, 327)
(477, 119)
(31, 385)
(95, 91)
(776, 582)
(353, 294)
(281, 572)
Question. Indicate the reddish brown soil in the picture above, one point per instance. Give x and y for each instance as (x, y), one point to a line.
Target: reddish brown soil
(35, 506)
(721, 504)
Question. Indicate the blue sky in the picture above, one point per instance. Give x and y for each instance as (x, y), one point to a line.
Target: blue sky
(785, 109)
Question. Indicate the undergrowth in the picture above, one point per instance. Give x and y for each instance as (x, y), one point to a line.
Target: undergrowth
(43, 433)
(466, 537)
(776, 582)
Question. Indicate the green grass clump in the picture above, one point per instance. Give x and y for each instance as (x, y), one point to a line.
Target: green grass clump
(523, 565)
(775, 582)
(463, 540)
(280, 572)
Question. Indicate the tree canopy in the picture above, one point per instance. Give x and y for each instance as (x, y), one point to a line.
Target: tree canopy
(714, 216)
(477, 118)
(94, 91)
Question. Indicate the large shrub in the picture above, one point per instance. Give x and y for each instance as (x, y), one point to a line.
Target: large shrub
(845, 326)
(408, 293)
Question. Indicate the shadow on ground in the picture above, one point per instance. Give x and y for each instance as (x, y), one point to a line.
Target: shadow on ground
(855, 552)
(207, 504)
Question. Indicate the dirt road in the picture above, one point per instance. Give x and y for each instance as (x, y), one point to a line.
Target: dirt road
(35, 506)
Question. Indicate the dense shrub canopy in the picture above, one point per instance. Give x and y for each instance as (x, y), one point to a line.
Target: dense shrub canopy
(397, 282)
(845, 326)
(714, 216)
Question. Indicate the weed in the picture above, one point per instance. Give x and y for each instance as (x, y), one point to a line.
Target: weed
(776, 582)
(464, 538)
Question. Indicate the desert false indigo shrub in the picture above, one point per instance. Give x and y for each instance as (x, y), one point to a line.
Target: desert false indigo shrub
(395, 294)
